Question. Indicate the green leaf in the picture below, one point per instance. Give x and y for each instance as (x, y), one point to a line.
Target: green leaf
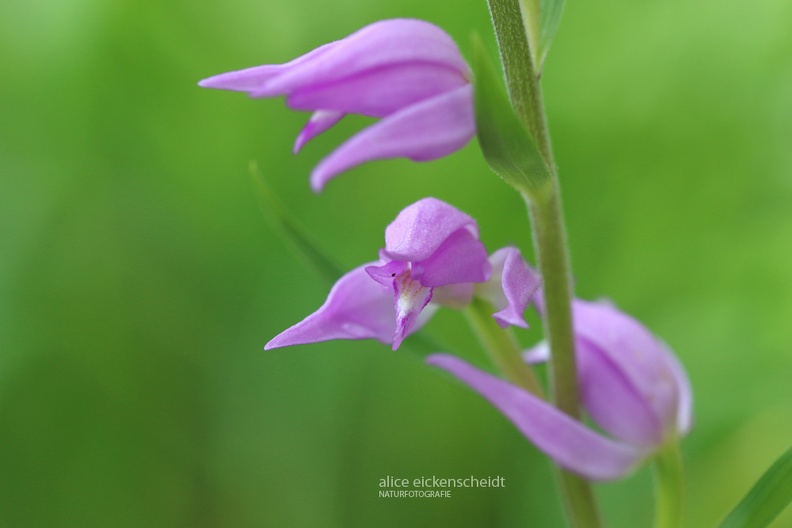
(768, 498)
(506, 143)
(550, 20)
(541, 19)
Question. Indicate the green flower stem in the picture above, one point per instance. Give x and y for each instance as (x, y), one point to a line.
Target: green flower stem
(501, 346)
(551, 250)
(549, 234)
(669, 486)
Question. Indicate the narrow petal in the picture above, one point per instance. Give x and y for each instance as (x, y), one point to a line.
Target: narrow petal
(378, 92)
(356, 308)
(421, 228)
(378, 45)
(461, 258)
(568, 442)
(424, 131)
(510, 288)
(254, 79)
(320, 121)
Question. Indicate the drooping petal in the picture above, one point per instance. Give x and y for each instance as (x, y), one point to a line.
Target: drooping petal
(421, 228)
(510, 288)
(356, 308)
(410, 298)
(641, 357)
(427, 130)
(378, 45)
(568, 442)
(378, 92)
(462, 258)
(320, 121)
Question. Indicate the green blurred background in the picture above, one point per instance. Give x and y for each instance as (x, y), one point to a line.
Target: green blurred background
(139, 280)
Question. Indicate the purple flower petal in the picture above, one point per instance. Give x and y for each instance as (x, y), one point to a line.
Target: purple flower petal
(320, 121)
(379, 92)
(356, 308)
(409, 72)
(642, 358)
(461, 258)
(421, 228)
(510, 288)
(632, 385)
(568, 442)
(612, 400)
(254, 79)
(378, 45)
(427, 130)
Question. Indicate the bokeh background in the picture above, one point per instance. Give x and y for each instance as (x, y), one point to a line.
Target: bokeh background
(139, 279)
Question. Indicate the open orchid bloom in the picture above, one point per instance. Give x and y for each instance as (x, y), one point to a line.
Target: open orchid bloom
(632, 386)
(407, 72)
(432, 257)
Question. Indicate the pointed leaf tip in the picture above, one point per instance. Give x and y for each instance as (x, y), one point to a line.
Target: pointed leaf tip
(542, 18)
(282, 223)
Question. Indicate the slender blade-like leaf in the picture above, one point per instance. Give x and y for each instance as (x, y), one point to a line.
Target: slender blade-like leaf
(541, 19)
(550, 20)
(768, 498)
(284, 225)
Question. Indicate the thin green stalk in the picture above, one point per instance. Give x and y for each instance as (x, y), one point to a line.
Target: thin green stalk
(669, 487)
(544, 204)
(501, 346)
(549, 234)
(551, 249)
(550, 242)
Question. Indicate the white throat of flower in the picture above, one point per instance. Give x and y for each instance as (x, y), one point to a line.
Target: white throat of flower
(410, 299)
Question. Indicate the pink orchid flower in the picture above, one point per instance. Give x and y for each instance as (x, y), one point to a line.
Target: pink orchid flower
(407, 72)
(432, 257)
